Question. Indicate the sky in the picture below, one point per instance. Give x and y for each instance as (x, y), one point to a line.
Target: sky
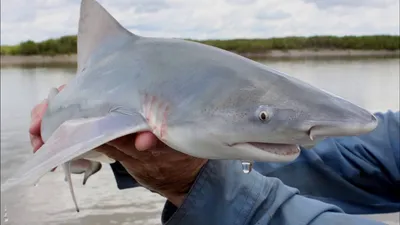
(39, 20)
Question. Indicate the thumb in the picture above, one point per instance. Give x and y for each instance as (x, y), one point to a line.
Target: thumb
(145, 141)
(36, 117)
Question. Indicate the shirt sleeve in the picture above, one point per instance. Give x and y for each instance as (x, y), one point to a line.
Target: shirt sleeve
(360, 174)
(123, 179)
(223, 194)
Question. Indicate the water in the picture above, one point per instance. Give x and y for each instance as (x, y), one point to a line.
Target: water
(372, 83)
(247, 167)
(5, 217)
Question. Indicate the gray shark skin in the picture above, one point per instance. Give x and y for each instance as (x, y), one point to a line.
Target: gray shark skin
(85, 167)
(197, 99)
(79, 166)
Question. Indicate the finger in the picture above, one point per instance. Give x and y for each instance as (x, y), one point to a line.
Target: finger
(39, 108)
(145, 141)
(36, 116)
(61, 87)
(34, 128)
(144, 146)
(123, 142)
(127, 146)
(113, 153)
(140, 141)
(36, 142)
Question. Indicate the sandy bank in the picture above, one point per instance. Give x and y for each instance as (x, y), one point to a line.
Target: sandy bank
(69, 59)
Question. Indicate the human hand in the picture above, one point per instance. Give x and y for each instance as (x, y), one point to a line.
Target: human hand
(154, 165)
(36, 120)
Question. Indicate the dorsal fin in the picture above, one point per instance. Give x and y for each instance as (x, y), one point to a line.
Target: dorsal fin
(97, 28)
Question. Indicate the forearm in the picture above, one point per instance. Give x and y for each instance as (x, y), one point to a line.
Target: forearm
(223, 194)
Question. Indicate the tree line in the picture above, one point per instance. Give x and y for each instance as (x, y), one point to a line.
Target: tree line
(68, 44)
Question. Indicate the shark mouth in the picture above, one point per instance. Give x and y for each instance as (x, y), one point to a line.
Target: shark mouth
(270, 151)
(277, 149)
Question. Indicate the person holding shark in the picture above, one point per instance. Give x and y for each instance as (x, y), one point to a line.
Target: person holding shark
(337, 177)
(142, 91)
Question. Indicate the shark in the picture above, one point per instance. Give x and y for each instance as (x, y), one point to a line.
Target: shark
(200, 100)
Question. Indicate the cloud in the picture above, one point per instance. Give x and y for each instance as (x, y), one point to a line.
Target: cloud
(9, 11)
(138, 6)
(241, 2)
(277, 15)
(217, 19)
(324, 4)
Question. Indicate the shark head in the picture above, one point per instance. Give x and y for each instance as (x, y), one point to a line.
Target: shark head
(253, 112)
(285, 113)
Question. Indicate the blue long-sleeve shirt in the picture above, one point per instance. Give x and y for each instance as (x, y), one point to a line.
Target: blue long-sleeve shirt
(356, 175)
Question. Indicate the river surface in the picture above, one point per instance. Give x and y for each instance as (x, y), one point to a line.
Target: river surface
(370, 83)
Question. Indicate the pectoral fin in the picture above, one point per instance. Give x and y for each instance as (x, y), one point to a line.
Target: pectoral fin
(72, 139)
(95, 167)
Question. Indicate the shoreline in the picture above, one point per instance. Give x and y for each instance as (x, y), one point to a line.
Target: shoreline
(10, 60)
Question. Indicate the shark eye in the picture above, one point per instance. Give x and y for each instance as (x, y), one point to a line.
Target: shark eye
(263, 116)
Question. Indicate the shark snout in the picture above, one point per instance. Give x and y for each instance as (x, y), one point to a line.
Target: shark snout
(344, 119)
(349, 128)
(302, 113)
